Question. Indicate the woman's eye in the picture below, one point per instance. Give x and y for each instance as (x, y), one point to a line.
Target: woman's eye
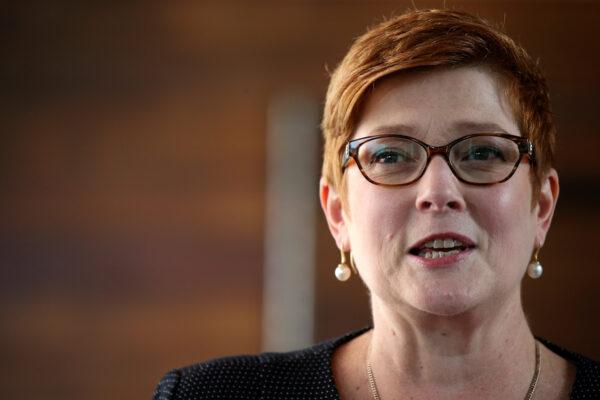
(483, 154)
(388, 157)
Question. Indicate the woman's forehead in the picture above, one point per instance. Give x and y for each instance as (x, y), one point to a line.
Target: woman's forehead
(437, 104)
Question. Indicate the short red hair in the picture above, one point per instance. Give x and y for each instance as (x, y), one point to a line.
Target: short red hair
(429, 39)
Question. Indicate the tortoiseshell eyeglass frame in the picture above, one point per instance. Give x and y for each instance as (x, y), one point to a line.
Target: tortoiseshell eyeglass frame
(352, 147)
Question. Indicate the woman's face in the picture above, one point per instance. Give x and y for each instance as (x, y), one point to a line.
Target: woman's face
(385, 227)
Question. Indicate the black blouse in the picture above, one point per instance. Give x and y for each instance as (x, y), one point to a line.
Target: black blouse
(305, 374)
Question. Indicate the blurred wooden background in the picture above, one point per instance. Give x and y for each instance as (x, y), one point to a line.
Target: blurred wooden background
(132, 180)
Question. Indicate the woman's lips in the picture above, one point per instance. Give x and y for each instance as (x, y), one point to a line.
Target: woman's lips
(442, 237)
(442, 249)
(445, 260)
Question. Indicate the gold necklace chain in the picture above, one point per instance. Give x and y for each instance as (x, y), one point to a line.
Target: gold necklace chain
(528, 396)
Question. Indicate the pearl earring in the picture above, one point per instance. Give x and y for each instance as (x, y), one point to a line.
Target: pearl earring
(343, 271)
(534, 269)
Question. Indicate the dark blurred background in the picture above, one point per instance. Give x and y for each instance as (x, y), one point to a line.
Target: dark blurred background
(133, 175)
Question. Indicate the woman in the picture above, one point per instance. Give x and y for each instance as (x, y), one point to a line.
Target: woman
(439, 190)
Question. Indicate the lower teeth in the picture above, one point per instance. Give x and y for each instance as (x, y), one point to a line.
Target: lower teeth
(438, 254)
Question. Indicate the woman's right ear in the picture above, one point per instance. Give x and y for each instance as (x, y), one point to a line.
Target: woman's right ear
(331, 204)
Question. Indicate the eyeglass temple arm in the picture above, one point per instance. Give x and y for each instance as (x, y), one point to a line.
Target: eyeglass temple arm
(526, 147)
(346, 156)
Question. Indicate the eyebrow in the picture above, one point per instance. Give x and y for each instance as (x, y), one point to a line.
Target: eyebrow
(466, 126)
(479, 127)
(390, 129)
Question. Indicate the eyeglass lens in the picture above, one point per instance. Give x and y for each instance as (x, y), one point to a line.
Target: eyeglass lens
(478, 159)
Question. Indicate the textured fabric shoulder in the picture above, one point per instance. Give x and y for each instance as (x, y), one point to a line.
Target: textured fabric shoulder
(303, 374)
(236, 377)
(165, 388)
(587, 375)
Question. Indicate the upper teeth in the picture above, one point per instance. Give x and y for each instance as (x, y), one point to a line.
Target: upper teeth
(442, 244)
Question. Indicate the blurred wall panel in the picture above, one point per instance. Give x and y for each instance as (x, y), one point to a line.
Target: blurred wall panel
(132, 180)
(290, 222)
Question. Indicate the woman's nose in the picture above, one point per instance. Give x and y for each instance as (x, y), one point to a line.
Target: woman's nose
(438, 189)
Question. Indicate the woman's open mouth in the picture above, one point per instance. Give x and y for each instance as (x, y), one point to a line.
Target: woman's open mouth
(439, 248)
(442, 249)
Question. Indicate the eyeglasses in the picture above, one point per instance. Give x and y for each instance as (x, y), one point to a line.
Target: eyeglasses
(478, 159)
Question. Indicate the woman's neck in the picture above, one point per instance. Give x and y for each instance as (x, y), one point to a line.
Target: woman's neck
(478, 354)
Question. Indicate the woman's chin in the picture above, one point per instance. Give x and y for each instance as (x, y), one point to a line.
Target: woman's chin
(445, 309)
(444, 304)
(450, 296)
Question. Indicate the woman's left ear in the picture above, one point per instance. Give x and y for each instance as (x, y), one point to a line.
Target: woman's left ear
(546, 204)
